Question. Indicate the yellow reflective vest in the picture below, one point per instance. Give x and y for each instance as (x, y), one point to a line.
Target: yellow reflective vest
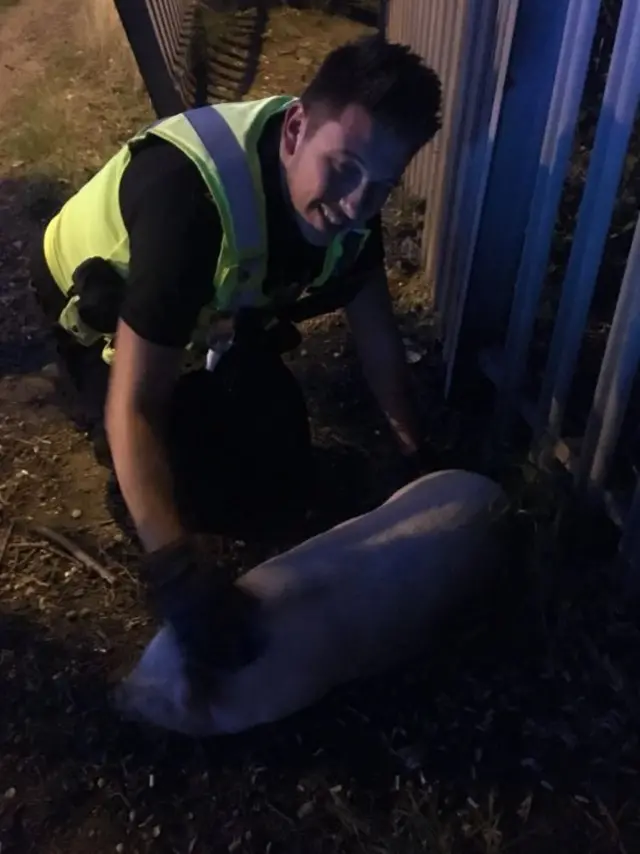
(222, 141)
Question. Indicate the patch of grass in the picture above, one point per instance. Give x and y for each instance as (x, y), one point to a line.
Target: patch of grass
(79, 123)
(91, 100)
(292, 49)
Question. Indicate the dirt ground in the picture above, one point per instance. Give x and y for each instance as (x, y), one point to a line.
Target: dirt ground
(518, 733)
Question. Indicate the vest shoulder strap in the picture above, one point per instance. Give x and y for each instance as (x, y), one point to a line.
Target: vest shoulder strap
(234, 172)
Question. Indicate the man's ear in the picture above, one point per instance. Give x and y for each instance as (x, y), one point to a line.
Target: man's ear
(293, 128)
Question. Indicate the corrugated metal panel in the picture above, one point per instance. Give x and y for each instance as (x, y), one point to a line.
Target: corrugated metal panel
(433, 29)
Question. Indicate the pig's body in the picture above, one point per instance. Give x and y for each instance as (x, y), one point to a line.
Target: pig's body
(342, 605)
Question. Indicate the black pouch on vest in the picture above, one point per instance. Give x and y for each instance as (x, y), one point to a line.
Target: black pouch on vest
(100, 290)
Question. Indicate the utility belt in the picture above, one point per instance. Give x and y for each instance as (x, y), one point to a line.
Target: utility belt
(96, 297)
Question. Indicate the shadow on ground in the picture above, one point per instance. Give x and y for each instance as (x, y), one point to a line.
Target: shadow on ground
(25, 206)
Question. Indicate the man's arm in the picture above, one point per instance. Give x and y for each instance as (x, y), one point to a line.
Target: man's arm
(214, 621)
(372, 322)
(174, 236)
(142, 380)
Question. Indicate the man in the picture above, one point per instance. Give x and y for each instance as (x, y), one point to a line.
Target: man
(262, 213)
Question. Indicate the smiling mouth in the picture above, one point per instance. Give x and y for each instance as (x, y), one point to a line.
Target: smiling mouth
(331, 218)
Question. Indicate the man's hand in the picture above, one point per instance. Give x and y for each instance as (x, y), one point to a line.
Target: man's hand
(216, 623)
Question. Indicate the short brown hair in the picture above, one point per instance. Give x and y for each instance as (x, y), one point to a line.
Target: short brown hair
(388, 80)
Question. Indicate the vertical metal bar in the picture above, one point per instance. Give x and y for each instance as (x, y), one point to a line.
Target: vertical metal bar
(515, 162)
(607, 161)
(482, 26)
(617, 374)
(567, 92)
(629, 545)
(479, 161)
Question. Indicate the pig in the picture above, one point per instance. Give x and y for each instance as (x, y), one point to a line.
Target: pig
(344, 605)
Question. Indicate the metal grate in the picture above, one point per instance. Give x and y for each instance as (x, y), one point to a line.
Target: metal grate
(165, 37)
(189, 53)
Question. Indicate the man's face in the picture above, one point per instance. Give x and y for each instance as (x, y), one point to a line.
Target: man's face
(340, 173)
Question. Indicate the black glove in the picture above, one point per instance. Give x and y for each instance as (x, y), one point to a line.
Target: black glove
(217, 624)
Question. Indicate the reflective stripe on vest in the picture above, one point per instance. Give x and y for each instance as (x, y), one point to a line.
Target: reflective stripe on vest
(223, 148)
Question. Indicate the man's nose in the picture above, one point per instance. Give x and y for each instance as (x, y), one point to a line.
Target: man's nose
(354, 203)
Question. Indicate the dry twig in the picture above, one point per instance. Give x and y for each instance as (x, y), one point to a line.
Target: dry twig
(5, 541)
(75, 551)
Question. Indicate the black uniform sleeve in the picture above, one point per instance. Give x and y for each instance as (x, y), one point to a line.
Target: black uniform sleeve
(175, 236)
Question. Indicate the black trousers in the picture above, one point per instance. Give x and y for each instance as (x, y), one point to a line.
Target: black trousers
(238, 437)
(240, 446)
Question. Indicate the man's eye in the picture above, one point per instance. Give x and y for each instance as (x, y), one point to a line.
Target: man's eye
(346, 171)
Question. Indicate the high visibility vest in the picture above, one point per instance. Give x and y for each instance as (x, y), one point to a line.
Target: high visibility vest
(222, 141)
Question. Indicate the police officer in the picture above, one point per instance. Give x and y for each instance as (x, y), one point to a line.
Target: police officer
(227, 225)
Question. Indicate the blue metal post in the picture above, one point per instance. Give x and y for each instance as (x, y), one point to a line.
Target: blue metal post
(607, 161)
(567, 93)
(619, 367)
(457, 253)
(516, 157)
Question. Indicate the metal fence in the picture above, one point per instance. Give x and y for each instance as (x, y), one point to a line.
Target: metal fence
(192, 52)
(163, 38)
(515, 74)
(468, 42)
